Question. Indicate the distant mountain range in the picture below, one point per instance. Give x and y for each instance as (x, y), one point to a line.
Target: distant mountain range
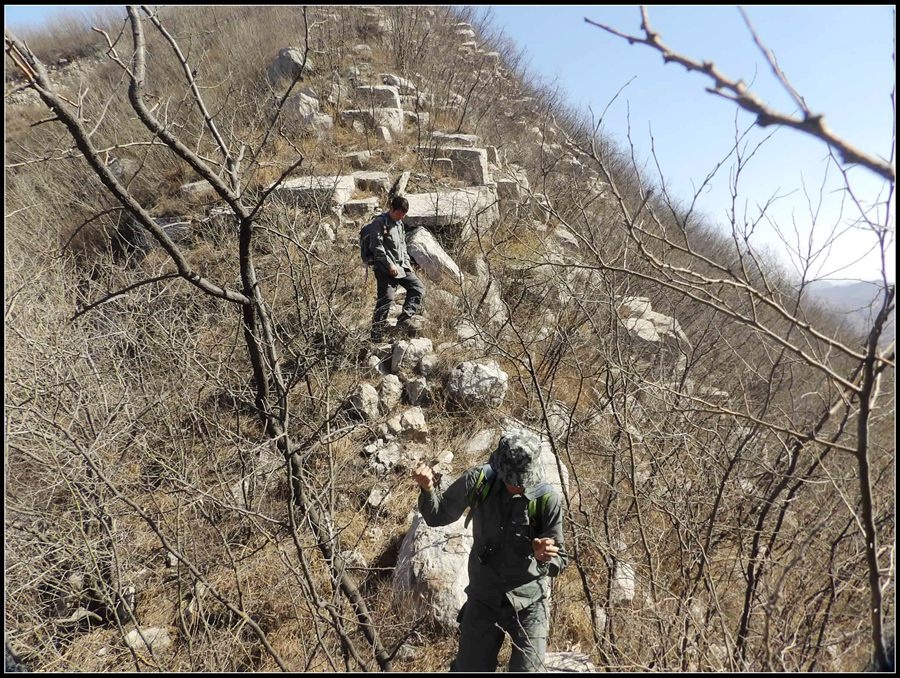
(858, 302)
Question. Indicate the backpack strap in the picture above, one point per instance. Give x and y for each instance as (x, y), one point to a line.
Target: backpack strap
(537, 507)
(480, 491)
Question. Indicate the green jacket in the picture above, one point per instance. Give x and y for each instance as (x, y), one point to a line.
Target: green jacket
(388, 245)
(503, 537)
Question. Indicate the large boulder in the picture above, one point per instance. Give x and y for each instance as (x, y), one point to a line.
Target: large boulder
(432, 569)
(408, 354)
(364, 400)
(363, 52)
(378, 96)
(338, 94)
(402, 84)
(491, 59)
(550, 472)
(384, 457)
(646, 324)
(303, 104)
(317, 191)
(364, 209)
(358, 159)
(512, 184)
(418, 392)
(466, 209)
(427, 252)
(634, 306)
(460, 140)
(288, 64)
(376, 182)
(416, 102)
(382, 133)
(483, 441)
(470, 335)
(667, 326)
(476, 384)
(372, 118)
(145, 638)
(390, 392)
(564, 238)
(622, 589)
(486, 287)
(413, 120)
(469, 164)
(642, 329)
(558, 418)
(409, 424)
(319, 124)
(198, 192)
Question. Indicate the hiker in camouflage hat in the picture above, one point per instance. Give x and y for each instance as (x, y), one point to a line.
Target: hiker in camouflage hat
(517, 546)
(515, 459)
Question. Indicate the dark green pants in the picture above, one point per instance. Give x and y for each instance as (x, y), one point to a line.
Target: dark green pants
(481, 634)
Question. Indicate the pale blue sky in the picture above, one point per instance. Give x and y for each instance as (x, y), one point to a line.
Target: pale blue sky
(839, 58)
(19, 17)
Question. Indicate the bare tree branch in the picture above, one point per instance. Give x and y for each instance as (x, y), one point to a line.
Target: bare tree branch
(113, 295)
(738, 92)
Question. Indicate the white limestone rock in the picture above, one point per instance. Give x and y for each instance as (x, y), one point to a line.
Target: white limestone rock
(409, 424)
(409, 353)
(372, 118)
(568, 662)
(427, 252)
(319, 191)
(431, 569)
(473, 384)
(147, 638)
(364, 400)
(287, 65)
(390, 393)
(469, 164)
(467, 209)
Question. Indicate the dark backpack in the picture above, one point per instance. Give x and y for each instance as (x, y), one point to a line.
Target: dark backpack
(482, 488)
(367, 234)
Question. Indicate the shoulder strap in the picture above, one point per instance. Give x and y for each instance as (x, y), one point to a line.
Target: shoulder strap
(481, 490)
(538, 506)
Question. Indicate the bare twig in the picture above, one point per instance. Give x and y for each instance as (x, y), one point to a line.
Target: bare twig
(740, 94)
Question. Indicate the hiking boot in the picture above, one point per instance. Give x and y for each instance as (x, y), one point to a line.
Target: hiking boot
(412, 327)
(386, 333)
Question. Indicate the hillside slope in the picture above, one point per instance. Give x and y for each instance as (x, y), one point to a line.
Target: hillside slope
(207, 463)
(858, 302)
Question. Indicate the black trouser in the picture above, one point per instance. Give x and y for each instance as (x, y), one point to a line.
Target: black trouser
(386, 288)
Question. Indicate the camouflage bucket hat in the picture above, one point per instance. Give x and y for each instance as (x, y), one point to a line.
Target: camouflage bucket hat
(516, 458)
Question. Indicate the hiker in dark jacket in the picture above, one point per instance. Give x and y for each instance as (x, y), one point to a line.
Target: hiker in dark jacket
(518, 540)
(386, 239)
